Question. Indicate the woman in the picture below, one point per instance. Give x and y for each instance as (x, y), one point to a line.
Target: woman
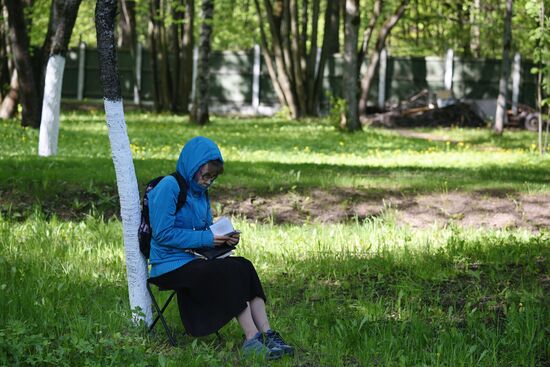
(210, 292)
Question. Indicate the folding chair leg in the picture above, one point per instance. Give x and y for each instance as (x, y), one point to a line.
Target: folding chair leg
(159, 315)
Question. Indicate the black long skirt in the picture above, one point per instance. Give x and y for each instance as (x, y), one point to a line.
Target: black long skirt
(212, 292)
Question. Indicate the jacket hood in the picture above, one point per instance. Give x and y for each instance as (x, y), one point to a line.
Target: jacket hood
(194, 154)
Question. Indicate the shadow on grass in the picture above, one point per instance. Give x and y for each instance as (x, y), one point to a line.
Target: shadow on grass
(72, 187)
(472, 292)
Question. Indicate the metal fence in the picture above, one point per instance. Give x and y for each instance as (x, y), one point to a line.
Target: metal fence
(239, 81)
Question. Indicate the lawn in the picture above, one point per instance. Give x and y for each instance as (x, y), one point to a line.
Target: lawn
(370, 292)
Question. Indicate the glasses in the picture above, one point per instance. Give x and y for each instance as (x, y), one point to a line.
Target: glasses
(208, 177)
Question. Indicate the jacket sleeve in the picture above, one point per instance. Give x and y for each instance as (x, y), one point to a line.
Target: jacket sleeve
(162, 215)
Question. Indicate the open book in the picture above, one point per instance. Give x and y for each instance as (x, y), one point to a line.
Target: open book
(222, 227)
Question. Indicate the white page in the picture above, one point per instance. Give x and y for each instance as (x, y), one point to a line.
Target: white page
(222, 226)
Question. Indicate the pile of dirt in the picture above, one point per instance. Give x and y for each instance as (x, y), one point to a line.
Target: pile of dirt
(460, 114)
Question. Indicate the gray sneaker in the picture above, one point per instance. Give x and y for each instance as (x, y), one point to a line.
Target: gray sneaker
(256, 347)
(274, 339)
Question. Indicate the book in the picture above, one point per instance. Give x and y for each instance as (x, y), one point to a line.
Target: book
(222, 227)
(209, 253)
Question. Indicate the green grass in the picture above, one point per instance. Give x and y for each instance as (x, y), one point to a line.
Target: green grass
(353, 294)
(361, 293)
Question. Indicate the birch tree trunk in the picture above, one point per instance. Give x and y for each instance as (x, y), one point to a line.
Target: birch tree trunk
(136, 266)
(350, 77)
(200, 114)
(63, 14)
(500, 115)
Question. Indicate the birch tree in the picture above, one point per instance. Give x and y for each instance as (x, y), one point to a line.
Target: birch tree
(60, 27)
(500, 115)
(136, 266)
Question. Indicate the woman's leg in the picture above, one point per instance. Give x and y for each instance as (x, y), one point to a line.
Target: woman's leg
(259, 315)
(247, 323)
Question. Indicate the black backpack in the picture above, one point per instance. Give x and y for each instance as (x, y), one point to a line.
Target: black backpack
(145, 232)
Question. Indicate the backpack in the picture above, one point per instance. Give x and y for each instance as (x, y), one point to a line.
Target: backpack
(145, 232)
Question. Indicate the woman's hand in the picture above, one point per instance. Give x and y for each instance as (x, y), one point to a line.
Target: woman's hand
(221, 240)
(234, 239)
(230, 240)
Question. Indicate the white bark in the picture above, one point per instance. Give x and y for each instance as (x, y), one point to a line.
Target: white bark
(49, 126)
(136, 265)
(449, 69)
(382, 78)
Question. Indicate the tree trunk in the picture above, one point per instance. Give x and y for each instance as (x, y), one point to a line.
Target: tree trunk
(152, 30)
(63, 14)
(128, 39)
(174, 36)
(350, 77)
(127, 25)
(136, 266)
(542, 147)
(186, 57)
(296, 73)
(474, 30)
(200, 114)
(159, 55)
(11, 99)
(281, 70)
(384, 32)
(367, 34)
(23, 64)
(332, 21)
(9, 103)
(500, 115)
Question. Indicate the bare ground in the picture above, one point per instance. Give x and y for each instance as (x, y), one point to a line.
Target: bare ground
(487, 209)
(469, 209)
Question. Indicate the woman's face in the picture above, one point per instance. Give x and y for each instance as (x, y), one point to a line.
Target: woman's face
(205, 176)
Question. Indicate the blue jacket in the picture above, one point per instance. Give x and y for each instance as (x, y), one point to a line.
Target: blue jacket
(189, 227)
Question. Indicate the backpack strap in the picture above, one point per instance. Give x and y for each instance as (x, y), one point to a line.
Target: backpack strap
(183, 190)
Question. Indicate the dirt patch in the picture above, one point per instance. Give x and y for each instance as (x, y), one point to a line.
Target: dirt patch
(470, 209)
(489, 209)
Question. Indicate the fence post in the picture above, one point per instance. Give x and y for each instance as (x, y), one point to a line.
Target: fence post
(256, 79)
(382, 78)
(449, 70)
(194, 77)
(516, 79)
(81, 71)
(137, 85)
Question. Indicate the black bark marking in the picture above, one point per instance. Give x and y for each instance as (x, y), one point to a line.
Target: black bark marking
(105, 13)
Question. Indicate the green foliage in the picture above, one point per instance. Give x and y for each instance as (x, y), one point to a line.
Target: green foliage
(541, 38)
(338, 111)
(427, 27)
